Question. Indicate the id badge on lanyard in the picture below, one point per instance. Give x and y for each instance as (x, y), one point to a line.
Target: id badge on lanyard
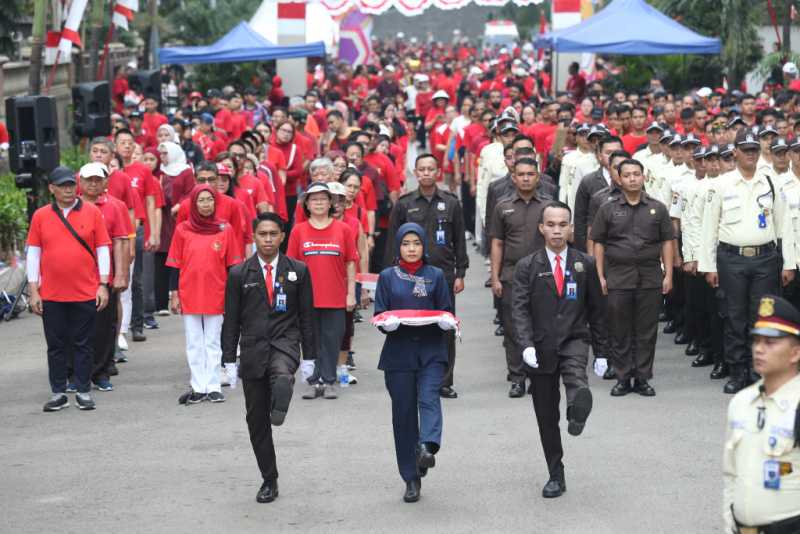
(280, 299)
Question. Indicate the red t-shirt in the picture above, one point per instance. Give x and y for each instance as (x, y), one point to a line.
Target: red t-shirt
(119, 187)
(67, 272)
(118, 223)
(632, 142)
(203, 261)
(229, 210)
(238, 124)
(326, 252)
(151, 122)
(368, 193)
(385, 169)
(255, 190)
(222, 120)
(118, 90)
(3, 133)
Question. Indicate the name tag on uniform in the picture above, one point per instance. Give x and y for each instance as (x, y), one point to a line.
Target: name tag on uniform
(772, 475)
(572, 291)
(280, 302)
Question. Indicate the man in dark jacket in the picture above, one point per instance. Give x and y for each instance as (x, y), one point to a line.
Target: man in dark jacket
(557, 301)
(269, 307)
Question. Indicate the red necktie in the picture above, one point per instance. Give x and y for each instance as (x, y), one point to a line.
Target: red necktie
(559, 276)
(269, 284)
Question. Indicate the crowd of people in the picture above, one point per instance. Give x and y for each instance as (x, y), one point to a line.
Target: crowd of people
(598, 215)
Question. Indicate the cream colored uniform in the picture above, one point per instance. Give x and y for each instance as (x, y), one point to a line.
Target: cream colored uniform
(652, 162)
(762, 165)
(676, 178)
(731, 216)
(748, 448)
(692, 221)
(690, 233)
(790, 192)
(574, 167)
(661, 177)
(491, 167)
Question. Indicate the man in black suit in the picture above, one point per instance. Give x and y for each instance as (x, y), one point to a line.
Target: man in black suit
(269, 306)
(557, 300)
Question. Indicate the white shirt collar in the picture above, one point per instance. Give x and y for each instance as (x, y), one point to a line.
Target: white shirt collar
(274, 264)
(606, 176)
(552, 257)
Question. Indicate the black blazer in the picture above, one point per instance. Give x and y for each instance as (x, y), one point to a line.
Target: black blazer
(553, 324)
(262, 329)
(590, 184)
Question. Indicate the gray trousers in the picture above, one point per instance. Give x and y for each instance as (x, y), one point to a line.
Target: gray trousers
(514, 363)
(329, 328)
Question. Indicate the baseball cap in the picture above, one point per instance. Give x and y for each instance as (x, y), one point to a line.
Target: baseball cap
(135, 115)
(207, 118)
(766, 130)
(214, 93)
(699, 152)
(734, 121)
(654, 126)
(94, 169)
(776, 318)
(727, 150)
(690, 139)
(509, 127)
(666, 136)
(337, 188)
(713, 150)
(440, 94)
(795, 144)
(61, 175)
(746, 138)
(584, 127)
(598, 129)
(779, 144)
(789, 68)
(677, 139)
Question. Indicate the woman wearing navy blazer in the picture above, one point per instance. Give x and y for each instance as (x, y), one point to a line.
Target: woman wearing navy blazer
(414, 358)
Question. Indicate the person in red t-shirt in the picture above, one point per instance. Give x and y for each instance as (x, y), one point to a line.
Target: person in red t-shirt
(238, 119)
(118, 89)
(295, 163)
(202, 250)
(93, 182)
(68, 281)
(4, 138)
(152, 118)
(326, 246)
(637, 136)
(576, 84)
(141, 135)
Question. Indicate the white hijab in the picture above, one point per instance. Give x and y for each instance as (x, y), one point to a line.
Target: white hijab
(173, 135)
(176, 159)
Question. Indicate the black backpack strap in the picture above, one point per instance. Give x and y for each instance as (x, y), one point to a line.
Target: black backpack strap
(69, 227)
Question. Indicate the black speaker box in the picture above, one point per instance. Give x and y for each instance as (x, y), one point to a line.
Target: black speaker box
(33, 128)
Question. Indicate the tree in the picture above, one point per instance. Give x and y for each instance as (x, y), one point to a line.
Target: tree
(733, 21)
(11, 12)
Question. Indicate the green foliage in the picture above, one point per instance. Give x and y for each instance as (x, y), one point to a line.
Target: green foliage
(525, 17)
(13, 214)
(74, 157)
(11, 11)
(775, 60)
(733, 21)
(197, 24)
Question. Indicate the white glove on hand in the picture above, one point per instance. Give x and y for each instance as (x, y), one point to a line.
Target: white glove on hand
(391, 323)
(529, 356)
(600, 366)
(447, 323)
(307, 369)
(232, 370)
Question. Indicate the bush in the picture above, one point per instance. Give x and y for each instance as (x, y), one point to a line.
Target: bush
(13, 215)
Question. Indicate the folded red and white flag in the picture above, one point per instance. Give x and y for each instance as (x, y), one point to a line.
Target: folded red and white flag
(418, 318)
(123, 12)
(368, 281)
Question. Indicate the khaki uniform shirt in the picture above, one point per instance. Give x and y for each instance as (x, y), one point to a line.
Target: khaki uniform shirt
(681, 180)
(748, 447)
(692, 219)
(574, 167)
(652, 167)
(516, 223)
(689, 234)
(790, 193)
(732, 215)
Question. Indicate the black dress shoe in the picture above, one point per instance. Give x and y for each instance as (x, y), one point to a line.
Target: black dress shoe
(555, 487)
(692, 349)
(413, 488)
(662, 316)
(669, 328)
(621, 388)
(281, 397)
(496, 320)
(578, 413)
(719, 371)
(681, 338)
(610, 374)
(268, 491)
(643, 388)
(517, 390)
(488, 283)
(737, 383)
(499, 331)
(425, 457)
(704, 359)
(448, 392)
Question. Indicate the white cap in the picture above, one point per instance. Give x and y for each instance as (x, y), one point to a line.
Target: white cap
(475, 71)
(440, 94)
(704, 92)
(790, 68)
(389, 68)
(423, 78)
(400, 35)
(94, 169)
(519, 71)
(337, 188)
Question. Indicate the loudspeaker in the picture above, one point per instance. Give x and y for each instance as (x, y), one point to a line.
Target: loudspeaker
(91, 103)
(33, 128)
(148, 83)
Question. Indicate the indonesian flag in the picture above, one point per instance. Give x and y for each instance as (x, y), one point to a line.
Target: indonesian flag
(70, 35)
(418, 318)
(123, 13)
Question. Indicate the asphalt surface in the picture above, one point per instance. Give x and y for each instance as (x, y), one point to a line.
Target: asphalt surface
(143, 463)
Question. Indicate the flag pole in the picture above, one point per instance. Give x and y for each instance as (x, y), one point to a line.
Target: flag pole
(51, 78)
(102, 65)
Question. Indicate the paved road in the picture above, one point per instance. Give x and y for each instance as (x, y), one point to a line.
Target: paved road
(142, 463)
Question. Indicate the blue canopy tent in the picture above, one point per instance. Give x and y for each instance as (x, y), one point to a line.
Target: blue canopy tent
(242, 43)
(629, 27)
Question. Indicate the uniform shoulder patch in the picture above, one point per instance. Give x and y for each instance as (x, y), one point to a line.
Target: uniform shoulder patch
(710, 195)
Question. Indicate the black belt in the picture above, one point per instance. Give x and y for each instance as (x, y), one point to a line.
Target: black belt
(749, 252)
(790, 525)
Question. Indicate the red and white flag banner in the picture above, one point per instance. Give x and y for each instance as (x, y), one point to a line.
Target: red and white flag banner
(69, 34)
(124, 11)
(411, 8)
(417, 318)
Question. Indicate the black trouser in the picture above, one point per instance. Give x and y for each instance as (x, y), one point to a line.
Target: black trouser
(516, 372)
(258, 403)
(676, 300)
(792, 291)
(546, 395)
(716, 298)
(105, 341)
(744, 281)
(699, 305)
(69, 329)
(447, 380)
(467, 206)
(329, 326)
(137, 296)
(379, 251)
(161, 275)
(633, 322)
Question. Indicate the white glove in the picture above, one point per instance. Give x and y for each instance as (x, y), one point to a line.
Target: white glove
(600, 366)
(232, 370)
(447, 323)
(391, 323)
(307, 369)
(529, 356)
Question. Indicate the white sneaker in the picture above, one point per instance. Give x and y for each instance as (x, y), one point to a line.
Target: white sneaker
(122, 343)
(351, 379)
(163, 313)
